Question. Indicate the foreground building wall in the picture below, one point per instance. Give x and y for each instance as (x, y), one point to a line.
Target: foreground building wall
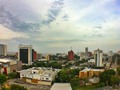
(36, 81)
(7, 66)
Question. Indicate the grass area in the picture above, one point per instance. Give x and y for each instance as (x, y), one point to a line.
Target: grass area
(85, 87)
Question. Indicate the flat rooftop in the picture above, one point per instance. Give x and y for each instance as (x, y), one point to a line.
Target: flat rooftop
(88, 69)
(4, 60)
(61, 86)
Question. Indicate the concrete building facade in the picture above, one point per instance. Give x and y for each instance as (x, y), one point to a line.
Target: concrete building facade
(3, 50)
(88, 72)
(25, 54)
(98, 56)
(39, 75)
(7, 66)
(71, 55)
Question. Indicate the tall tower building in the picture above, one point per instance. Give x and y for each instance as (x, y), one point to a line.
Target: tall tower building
(86, 50)
(3, 50)
(25, 54)
(70, 55)
(34, 55)
(98, 55)
(110, 56)
(48, 57)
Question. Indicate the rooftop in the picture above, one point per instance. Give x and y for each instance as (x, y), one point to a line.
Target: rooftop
(88, 69)
(4, 60)
(61, 86)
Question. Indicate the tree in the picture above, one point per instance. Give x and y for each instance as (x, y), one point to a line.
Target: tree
(118, 70)
(3, 79)
(55, 65)
(66, 75)
(75, 81)
(17, 87)
(62, 76)
(12, 75)
(114, 80)
(106, 76)
(5, 88)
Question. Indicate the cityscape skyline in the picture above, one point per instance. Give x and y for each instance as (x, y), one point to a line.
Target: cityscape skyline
(52, 26)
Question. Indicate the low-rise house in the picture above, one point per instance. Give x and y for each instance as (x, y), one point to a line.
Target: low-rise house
(39, 75)
(88, 72)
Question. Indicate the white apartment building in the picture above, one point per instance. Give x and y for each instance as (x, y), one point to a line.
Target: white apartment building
(98, 56)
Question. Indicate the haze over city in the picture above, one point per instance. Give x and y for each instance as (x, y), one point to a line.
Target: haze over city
(56, 25)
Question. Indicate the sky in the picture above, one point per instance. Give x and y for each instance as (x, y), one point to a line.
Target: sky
(53, 26)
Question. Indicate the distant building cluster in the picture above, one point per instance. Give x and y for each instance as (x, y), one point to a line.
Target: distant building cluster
(85, 55)
(27, 55)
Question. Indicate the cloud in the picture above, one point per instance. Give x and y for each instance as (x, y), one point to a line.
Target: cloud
(7, 34)
(18, 16)
(54, 11)
(60, 23)
(65, 17)
(60, 41)
(98, 27)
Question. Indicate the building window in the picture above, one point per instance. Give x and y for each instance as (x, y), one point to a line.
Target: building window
(46, 78)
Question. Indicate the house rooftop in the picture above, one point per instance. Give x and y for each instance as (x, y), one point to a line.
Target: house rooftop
(88, 69)
(4, 60)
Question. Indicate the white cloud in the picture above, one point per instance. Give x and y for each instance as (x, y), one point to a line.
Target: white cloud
(7, 34)
(40, 6)
(79, 25)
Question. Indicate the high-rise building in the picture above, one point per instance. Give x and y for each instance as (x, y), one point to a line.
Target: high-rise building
(3, 50)
(34, 55)
(25, 54)
(86, 50)
(110, 56)
(48, 57)
(70, 55)
(98, 55)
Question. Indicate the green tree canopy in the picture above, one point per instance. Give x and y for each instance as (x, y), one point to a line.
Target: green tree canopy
(114, 80)
(106, 76)
(12, 75)
(118, 70)
(66, 75)
(17, 87)
(3, 79)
